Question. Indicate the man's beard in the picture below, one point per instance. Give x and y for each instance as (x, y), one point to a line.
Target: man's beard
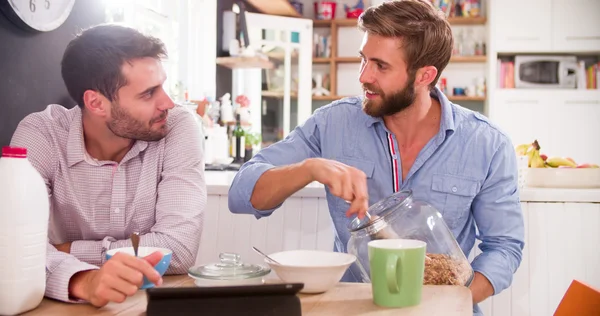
(124, 125)
(392, 104)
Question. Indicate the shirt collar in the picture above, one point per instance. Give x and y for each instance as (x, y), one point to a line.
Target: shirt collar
(76, 151)
(446, 122)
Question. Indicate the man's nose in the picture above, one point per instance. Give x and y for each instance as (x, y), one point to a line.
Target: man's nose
(165, 102)
(366, 75)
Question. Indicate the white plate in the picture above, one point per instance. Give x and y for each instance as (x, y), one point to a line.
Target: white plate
(571, 178)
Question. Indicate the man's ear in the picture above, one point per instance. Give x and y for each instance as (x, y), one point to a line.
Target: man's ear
(95, 103)
(425, 76)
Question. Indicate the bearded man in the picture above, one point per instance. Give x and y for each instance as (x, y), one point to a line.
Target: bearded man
(125, 160)
(401, 134)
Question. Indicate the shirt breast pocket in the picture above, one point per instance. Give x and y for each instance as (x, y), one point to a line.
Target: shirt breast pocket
(455, 194)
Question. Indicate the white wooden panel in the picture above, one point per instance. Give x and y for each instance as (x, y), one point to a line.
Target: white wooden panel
(208, 241)
(527, 30)
(590, 228)
(520, 286)
(292, 224)
(309, 223)
(556, 232)
(275, 230)
(554, 118)
(242, 231)
(258, 238)
(575, 25)
(226, 237)
(325, 233)
(538, 257)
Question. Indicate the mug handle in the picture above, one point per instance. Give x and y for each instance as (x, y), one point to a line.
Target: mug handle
(392, 267)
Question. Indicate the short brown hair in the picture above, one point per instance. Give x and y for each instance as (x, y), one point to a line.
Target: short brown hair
(425, 32)
(93, 60)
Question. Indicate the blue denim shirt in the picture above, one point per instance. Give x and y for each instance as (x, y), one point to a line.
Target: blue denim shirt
(468, 171)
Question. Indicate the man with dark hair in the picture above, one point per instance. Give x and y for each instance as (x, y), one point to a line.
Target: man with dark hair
(126, 160)
(402, 134)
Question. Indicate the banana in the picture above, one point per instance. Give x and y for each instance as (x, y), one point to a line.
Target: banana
(522, 149)
(536, 160)
(559, 161)
(533, 155)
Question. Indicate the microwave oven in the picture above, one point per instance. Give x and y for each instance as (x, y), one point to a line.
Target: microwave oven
(558, 72)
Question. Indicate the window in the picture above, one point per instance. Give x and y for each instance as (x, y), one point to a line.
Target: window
(188, 28)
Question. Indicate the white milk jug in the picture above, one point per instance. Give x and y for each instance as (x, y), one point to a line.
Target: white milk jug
(24, 213)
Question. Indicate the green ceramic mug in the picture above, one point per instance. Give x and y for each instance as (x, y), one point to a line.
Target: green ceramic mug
(397, 267)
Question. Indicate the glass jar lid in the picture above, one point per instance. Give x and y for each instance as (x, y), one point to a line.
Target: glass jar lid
(382, 209)
(229, 268)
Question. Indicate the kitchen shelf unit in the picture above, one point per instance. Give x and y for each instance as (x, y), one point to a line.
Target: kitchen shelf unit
(335, 59)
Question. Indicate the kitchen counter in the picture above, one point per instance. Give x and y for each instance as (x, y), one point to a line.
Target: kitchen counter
(218, 183)
(344, 299)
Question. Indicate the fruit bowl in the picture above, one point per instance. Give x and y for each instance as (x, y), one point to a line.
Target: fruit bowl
(568, 178)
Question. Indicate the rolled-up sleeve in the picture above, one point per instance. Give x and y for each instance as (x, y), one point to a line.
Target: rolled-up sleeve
(499, 219)
(302, 143)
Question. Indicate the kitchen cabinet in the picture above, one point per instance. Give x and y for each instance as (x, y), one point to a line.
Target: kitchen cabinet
(554, 118)
(520, 25)
(575, 25)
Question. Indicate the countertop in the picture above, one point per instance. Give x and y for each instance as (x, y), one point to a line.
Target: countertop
(218, 183)
(344, 299)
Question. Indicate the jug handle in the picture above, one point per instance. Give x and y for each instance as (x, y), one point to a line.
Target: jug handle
(392, 275)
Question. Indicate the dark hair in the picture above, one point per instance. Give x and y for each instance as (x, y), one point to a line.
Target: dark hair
(425, 32)
(93, 60)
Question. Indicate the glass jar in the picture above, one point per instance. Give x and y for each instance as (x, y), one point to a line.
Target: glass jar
(228, 272)
(401, 216)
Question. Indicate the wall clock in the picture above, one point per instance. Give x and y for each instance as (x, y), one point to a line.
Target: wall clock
(37, 15)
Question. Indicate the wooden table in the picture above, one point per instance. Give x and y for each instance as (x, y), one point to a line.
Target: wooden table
(344, 299)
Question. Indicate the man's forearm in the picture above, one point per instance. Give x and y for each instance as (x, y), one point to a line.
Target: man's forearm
(277, 184)
(481, 288)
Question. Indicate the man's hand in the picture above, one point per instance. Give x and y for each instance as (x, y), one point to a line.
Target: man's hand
(481, 288)
(343, 181)
(66, 247)
(121, 276)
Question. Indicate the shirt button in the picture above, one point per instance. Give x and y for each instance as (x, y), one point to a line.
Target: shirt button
(454, 189)
(117, 210)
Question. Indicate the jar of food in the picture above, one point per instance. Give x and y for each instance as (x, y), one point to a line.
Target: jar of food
(400, 216)
(228, 272)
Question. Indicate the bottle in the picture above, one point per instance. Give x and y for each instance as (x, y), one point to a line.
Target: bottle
(239, 142)
(23, 233)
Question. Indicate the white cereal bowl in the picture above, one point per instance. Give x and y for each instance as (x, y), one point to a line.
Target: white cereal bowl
(318, 270)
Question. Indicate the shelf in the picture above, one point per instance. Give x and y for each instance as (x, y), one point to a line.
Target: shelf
(347, 59)
(468, 59)
(244, 62)
(467, 20)
(279, 95)
(322, 23)
(275, 7)
(279, 55)
(354, 22)
(325, 97)
(321, 60)
(464, 98)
